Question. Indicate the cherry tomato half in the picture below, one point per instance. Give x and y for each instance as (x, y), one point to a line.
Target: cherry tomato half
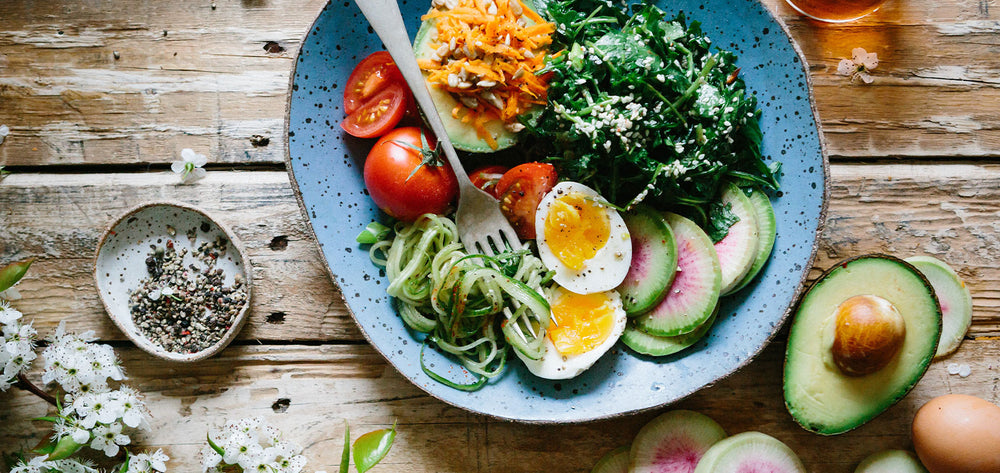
(396, 188)
(520, 191)
(487, 177)
(369, 77)
(379, 114)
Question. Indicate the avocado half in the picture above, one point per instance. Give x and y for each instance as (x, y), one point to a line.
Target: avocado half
(821, 397)
(463, 135)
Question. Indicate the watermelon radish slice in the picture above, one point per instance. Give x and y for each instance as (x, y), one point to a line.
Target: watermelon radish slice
(694, 292)
(674, 442)
(647, 344)
(615, 461)
(738, 249)
(750, 452)
(891, 461)
(654, 261)
(766, 233)
(954, 298)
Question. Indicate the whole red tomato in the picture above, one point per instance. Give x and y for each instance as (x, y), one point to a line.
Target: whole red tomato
(399, 181)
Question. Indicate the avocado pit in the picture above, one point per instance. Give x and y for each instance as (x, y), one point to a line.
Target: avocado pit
(868, 333)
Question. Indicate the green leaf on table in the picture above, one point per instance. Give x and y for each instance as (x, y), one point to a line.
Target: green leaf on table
(371, 448)
(12, 273)
(373, 233)
(64, 448)
(345, 458)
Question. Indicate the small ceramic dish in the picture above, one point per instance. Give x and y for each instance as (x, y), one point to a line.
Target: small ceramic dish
(120, 266)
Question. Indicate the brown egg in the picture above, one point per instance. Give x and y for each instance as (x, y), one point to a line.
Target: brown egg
(956, 433)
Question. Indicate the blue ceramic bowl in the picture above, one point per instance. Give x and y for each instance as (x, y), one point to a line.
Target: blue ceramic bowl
(326, 166)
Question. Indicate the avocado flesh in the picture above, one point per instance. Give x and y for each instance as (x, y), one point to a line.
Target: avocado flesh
(818, 395)
(463, 135)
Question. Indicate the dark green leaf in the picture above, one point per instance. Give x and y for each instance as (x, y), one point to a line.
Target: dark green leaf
(13, 272)
(47, 419)
(720, 218)
(371, 448)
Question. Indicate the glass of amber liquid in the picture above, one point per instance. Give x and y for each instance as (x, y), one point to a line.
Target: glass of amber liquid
(835, 11)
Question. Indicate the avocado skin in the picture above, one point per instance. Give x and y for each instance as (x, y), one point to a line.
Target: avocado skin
(807, 329)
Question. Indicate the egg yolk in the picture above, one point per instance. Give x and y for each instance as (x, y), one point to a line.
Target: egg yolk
(576, 227)
(581, 322)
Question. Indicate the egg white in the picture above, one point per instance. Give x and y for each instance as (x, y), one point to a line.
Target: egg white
(554, 365)
(609, 266)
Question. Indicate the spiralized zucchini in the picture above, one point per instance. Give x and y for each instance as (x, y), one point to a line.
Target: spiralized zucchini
(465, 302)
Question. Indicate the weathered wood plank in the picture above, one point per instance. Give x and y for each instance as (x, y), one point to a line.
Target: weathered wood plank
(59, 218)
(947, 211)
(326, 385)
(208, 83)
(185, 76)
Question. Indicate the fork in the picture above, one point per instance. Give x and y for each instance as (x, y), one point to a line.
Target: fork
(481, 225)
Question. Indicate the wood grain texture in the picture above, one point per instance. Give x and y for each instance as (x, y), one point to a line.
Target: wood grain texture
(101, 97)
(188, 76)
(327, 385)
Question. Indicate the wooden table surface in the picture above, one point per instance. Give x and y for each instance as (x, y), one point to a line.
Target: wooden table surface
(100, 97)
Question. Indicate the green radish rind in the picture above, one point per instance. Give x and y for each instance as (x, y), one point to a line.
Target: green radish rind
(750, 452)
(678, 435)
(955, 300)
(767, 229)
(615, 461)
(654, 260)
(642, 342)
(738, 249)
(694, 293)
(891, 461)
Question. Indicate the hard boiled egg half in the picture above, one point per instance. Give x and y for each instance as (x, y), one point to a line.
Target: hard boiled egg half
(583, 327)
(584, 241)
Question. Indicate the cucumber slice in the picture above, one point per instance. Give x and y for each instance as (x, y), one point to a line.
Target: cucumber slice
(694, 292)
(654, 261)
(615, 461)
(652, 345)
(953, 296)
(738, 249)
(463, 135)
(750, 452)
(674, 442)
(766, 233)
(891, 461)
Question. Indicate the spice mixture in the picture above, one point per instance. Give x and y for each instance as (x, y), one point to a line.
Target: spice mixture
(186, 309)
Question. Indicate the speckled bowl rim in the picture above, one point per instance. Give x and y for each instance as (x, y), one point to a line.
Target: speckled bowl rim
(820, 225)
(145, 345)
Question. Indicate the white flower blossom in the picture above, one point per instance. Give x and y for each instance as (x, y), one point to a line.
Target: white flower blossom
(254, 446)
(4, 131)
(69, 465)
(35, 465)
(148, 462)
(17, 350)
(859, 65)
(190, 166)
(109, 438)
(78, 365)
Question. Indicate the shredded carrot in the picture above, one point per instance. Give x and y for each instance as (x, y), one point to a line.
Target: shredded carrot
(491, 53)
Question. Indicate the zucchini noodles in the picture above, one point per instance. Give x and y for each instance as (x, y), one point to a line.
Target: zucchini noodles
(464, 302)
